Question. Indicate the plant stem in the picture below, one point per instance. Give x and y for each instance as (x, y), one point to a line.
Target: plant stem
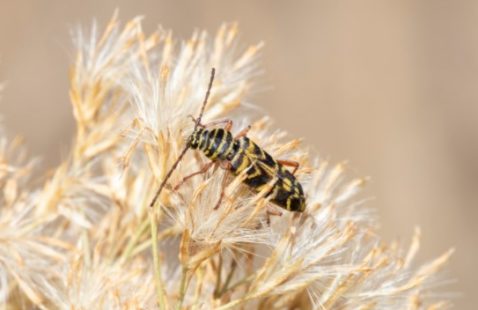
(238, 283)
(132, 242)
(228, 278)
(217, 289)
(182, 288)
(237, 302)
(156, 260)
(233, 304)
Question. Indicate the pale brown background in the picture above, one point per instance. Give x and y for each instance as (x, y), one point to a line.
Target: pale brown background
(388, 85)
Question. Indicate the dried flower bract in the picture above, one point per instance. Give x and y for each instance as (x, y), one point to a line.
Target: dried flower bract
(87, 239)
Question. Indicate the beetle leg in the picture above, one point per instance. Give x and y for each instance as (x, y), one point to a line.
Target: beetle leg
(195, 120)
(203, 170)
(226, 165)
(271, 211)
(289, 163)
(227, 122)
(228, 125)
(243, 132)
(223, 190)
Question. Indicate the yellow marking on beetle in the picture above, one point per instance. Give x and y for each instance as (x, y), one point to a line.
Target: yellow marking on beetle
(207, 151)
(244, 164)
(275, 191)
(200, 139)
(268, 169)
(258, 152)
(288, 204)
(231, 145)
(250, 148)
(256, 173)
(287, 184)
(260, 187)
(218, 149)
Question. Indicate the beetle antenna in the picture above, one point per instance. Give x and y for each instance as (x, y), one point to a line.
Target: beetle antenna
(170, 172)
(198, 121)
(183, 152)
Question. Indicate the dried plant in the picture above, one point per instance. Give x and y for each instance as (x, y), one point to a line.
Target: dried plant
(87, 238)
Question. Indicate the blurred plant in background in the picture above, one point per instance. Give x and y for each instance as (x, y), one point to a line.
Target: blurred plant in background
(87, 238)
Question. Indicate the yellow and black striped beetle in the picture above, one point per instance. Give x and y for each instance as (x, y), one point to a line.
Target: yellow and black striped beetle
(239, 154)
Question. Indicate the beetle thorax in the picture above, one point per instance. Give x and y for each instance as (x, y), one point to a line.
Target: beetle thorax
(196, 137)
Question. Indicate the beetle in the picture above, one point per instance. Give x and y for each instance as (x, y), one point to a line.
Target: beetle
(239, 154)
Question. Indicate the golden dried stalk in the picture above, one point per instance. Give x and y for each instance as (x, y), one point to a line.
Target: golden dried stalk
(86, 239)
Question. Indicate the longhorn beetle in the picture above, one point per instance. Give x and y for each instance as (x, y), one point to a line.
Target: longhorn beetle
(237, 154)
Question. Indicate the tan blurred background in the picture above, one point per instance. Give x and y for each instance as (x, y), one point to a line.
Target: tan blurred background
(388, 85)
